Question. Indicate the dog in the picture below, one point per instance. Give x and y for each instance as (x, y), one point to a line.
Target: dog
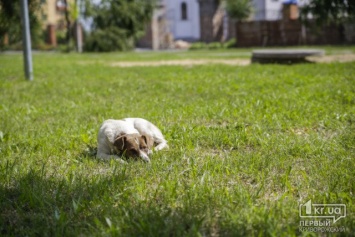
(131, 137)
(152, 132)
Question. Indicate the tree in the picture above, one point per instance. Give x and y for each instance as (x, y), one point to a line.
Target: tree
(238, 9)
(10, 21)
(325, 11)
(117, 24)
(67, 20)
(72, 11)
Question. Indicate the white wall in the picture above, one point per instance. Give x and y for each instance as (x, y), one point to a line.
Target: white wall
(183, 29)
(271, 9)
(259, 10)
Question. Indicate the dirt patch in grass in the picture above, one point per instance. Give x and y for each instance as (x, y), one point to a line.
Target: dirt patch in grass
(342, 58)
(184, 62)
(233, 62)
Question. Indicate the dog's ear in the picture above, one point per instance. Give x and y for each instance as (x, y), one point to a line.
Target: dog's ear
(148, 140)
(119, 143)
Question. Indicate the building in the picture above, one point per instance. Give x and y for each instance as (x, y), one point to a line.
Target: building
(189, 20)
(52, 16)
(267, 10)
(183, 18)
(206, 20)
(271, 10)
(53, 12)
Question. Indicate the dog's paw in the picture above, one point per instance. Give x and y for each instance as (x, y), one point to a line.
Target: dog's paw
(121, 161)
(161, 146)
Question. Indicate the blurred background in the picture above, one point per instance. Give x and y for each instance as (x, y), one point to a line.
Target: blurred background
(121, 25)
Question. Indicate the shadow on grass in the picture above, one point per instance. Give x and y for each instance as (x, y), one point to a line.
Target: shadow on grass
(91, 151)
(36, 204)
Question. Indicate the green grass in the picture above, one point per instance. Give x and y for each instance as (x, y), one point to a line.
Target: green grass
(247, 146)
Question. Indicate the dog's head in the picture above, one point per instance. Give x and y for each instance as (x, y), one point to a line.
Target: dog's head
(133, 146)
(149, 141)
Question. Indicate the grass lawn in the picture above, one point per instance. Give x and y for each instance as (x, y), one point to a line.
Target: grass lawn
(248, 145)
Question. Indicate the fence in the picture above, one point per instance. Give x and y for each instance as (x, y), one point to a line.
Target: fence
(291, 32)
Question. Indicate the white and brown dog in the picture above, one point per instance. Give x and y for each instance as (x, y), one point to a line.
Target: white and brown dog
(131, 137)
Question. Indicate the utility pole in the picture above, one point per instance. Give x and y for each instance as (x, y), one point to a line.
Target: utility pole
(26, 38)
(78, 28)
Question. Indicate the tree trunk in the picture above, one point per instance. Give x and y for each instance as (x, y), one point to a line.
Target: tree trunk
(67, 19)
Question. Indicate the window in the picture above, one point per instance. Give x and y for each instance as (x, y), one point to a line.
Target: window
(61, 5)
(183, 11)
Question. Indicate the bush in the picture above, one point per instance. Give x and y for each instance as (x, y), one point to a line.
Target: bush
(61, 36)
(10, 23)
(230, 43)
(213, 45)
(198, 45)
(117, 24)
(106, 40)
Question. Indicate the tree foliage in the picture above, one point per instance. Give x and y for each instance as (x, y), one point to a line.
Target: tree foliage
(324, 11)
(117, 24)
(10, 21)
(238, 9)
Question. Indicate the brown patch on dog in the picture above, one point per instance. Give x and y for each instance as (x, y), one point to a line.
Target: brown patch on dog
(148, 140)
(130, 145)
(143, 145)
